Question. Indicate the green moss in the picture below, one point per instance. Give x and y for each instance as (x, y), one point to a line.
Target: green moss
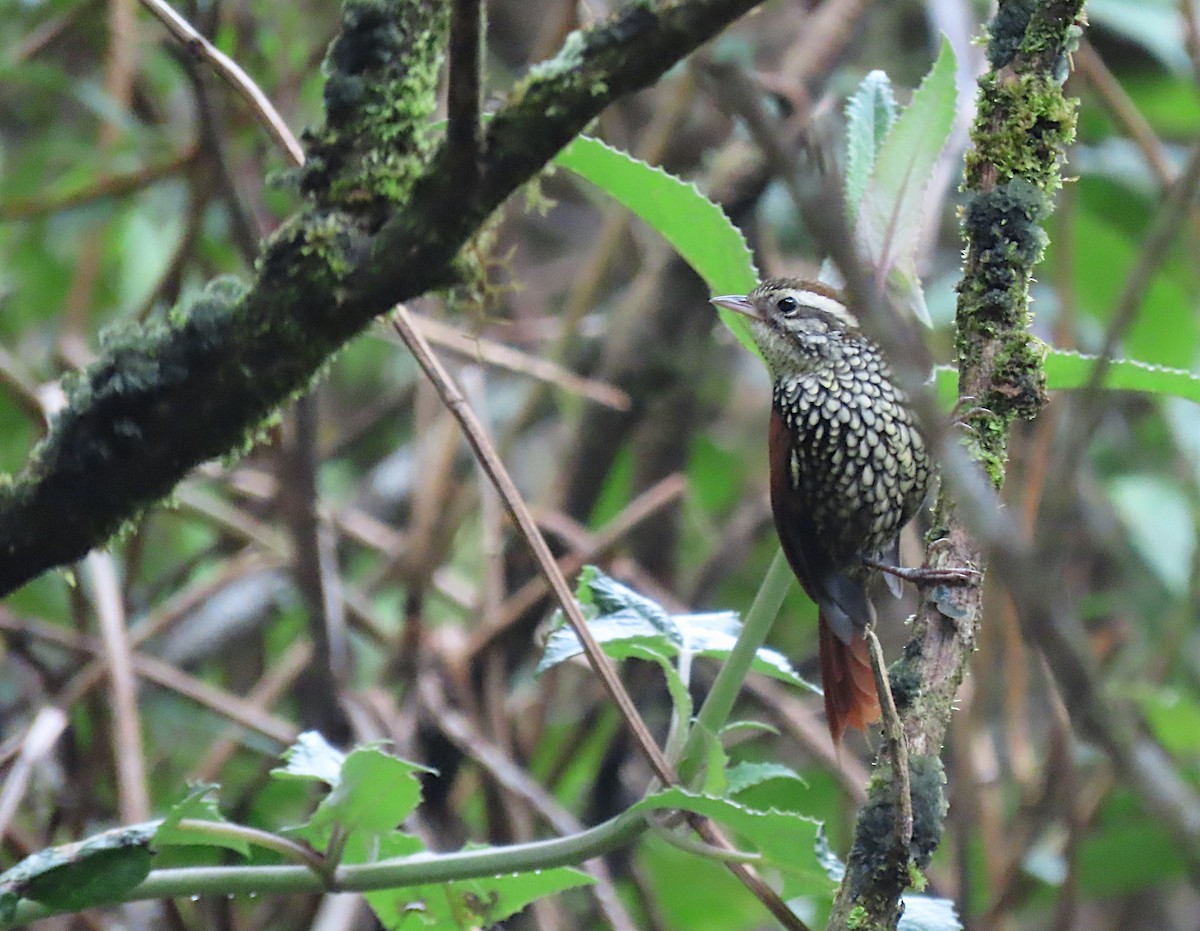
(380, 93)
(1024, 125)
(857, 919)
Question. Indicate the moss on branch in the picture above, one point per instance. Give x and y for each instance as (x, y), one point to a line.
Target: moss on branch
(385, 222)
(1021, 130)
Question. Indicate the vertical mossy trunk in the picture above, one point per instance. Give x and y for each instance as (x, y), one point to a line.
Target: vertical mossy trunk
(1021, 130)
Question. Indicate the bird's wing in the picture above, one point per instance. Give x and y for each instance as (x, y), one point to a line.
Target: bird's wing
(841, 597)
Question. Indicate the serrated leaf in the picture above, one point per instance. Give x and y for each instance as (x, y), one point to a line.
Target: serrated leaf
(90, 872)
(374, 792)
(621, 635)
(834, 868)
(1067, 370)
(870, 113)
(199, 804)
(609, 597)
(742, 776)
(637, 624)
(926, 913)
(714, 634)
(787, 841)
(891, 214)
(312, 759)
(696, 228)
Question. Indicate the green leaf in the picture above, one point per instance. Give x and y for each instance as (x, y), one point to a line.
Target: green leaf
(374, 792)
(1067, 370)
(464, 904)
(891, 215)
(627, 624)
(716, 763)
(745, 775)
(311, 759)
(926, 913)
(1161, 526)
(91, 872)
(1166, 330)
(787, 841)
(870, 113)
(697, 228)
(200, 804)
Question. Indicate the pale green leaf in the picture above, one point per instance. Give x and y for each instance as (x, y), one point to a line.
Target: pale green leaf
(870, 113)
(892, 210)
(745, 775)
(627, 624)
(311, 759)
(1067, 370)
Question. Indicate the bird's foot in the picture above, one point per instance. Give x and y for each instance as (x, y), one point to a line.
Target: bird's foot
(925, 575)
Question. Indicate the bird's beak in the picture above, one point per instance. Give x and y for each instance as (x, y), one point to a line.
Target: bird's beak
(738, 303)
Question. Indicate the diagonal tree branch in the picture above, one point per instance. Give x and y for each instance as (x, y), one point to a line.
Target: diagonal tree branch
(385, 223)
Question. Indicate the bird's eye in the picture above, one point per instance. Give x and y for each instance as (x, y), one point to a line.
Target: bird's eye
(788, 306)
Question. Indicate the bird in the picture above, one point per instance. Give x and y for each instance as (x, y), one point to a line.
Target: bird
(848, 470)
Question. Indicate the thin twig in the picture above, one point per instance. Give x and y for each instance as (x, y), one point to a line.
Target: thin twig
(521, 516)
(497, 354)
(203, 50)
(896, 741)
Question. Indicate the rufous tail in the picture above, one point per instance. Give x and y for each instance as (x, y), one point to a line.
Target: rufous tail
(848, 682)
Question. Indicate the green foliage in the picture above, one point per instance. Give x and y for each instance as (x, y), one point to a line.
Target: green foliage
(75, 876)
(630, 625)
(696, 227)
(786, 841)
(199, 804)
(890, 218)
(870, 113)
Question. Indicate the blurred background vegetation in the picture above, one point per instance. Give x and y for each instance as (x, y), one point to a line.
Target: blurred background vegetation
(357, 552)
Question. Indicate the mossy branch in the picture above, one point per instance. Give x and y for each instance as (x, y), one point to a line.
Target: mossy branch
(1021, 129)
(384, 223)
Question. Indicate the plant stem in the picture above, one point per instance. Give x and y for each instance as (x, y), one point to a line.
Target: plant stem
(417, 870)
(718, 705)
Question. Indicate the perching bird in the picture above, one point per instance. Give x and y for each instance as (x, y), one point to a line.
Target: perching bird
(848, 471)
